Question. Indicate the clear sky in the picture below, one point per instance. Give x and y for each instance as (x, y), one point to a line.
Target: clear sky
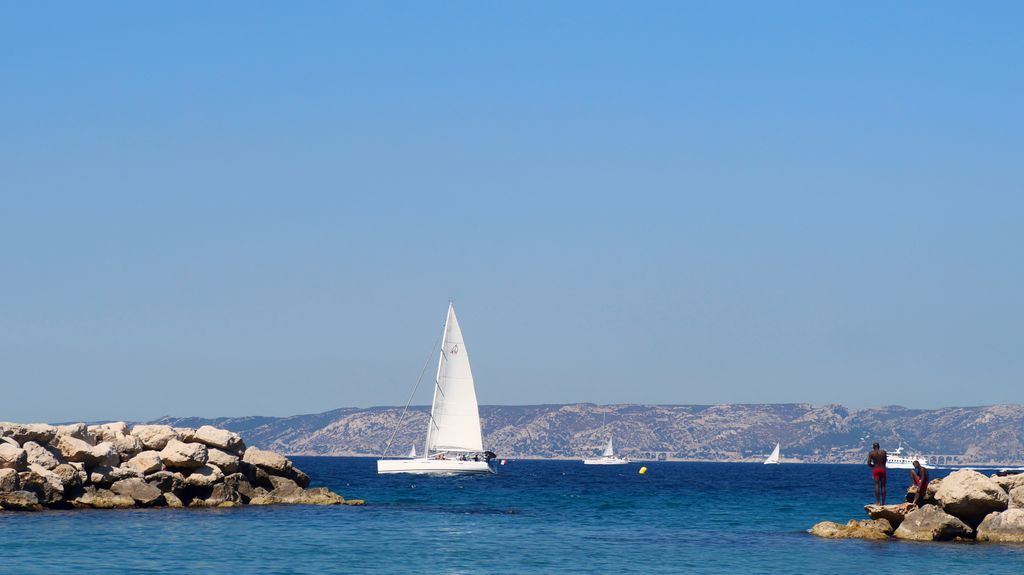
(220, 208)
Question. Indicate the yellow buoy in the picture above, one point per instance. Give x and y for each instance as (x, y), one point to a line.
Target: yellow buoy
(643, 470)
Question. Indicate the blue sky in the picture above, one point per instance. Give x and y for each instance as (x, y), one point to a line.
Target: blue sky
(256, 208)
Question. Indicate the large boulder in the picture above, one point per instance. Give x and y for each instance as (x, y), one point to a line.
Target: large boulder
(227, 462)
(40, 455)
(105, 475)
(9, 480)
(166, 481)
(81, 451)
(1003, 527)
(108, 431)
(127, 446)
(154, 436)
(931, 523)
(204, 476)
(283, 487)
(146, 462)
(184, 455)
(68, 476)
(45, 484)
(1017, 498)
(38, 432)
(78, 431)
(222, 495)
(143, 493)
(12, 457)
(317, 496)
(186, 434)
(894, 514)
(273, 463)
(970, 496)
(103, 499)
(219, 438)
(19, 501)
(238, 483)
(876, 529)
(1009, 482)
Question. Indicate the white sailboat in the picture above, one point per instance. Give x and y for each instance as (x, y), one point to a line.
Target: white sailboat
(608, 457)
(454, 443)
(773, 459)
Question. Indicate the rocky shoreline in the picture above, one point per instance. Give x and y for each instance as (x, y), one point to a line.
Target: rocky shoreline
(964, 506)
(110, 466)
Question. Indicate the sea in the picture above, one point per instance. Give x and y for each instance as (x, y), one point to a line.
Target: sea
(530, 517)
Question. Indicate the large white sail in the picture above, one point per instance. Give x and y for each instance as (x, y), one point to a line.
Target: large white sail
(609, 450)
(455, 417)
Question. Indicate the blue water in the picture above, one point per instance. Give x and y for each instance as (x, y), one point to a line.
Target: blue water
(532, 517)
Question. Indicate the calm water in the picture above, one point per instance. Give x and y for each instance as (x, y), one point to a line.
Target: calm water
(533, 517)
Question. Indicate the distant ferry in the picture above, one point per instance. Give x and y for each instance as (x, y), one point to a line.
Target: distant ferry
(897, 460)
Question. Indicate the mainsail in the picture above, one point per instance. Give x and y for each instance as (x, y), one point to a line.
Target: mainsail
(609, 450)
(774, 457)
(454, 416)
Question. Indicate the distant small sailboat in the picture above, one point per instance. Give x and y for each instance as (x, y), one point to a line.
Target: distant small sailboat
(608, 457)
(773, 459)
(412, 453)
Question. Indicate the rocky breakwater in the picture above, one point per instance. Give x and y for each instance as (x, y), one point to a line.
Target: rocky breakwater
(966, 505)
(110, 466)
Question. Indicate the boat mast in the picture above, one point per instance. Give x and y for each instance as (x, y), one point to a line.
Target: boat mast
(442, 366)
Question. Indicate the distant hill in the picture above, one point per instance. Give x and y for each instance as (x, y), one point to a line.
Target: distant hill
(733, 432)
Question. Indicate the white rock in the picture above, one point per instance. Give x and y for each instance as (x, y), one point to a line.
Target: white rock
(12, 457)
(227, 462)
(154, 436)
(204, 476)
(146, 462)
(970, 496)
(267, 460)
(1005, 527)
(41, 456)
(108, 431)
(78, 431)
(219, 438)
(184, 455)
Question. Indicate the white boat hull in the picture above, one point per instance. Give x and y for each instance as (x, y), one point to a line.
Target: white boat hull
(606, 461)
(432, 466)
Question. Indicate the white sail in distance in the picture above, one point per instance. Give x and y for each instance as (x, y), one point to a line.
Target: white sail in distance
(609, 450)
(454, 416)
(774, 457)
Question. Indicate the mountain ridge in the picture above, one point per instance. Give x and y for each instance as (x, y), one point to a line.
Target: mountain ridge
(830, 433)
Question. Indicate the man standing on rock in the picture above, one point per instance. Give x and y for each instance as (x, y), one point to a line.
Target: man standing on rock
(920, 478)
(876, 461)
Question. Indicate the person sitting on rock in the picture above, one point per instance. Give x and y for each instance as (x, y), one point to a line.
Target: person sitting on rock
(919, 476)
(877, 459)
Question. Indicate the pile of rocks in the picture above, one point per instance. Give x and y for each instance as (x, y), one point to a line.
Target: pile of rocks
(109, 466)
(966, 505)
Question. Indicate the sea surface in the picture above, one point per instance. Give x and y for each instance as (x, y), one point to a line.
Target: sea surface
(531, 517)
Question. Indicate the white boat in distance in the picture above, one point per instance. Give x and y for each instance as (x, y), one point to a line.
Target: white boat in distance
(773, 459)
(454, 443)
(608, 457)
(896, 459)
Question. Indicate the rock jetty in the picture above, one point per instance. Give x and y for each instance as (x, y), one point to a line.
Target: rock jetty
(112, 466)
(965, 505)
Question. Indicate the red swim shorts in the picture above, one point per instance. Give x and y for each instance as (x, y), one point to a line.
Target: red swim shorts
(878, 472)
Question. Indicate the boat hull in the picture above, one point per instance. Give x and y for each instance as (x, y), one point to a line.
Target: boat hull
(605, 461)
(432, 466)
